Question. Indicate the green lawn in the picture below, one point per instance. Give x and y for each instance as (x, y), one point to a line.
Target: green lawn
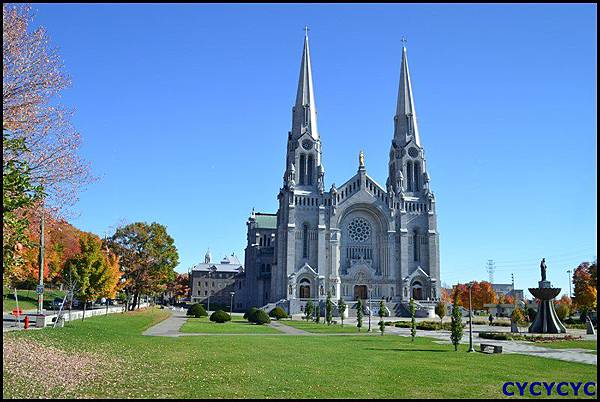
(591, 345)
(237, 326)
(116, 361)
(311, 326)
(27, 299)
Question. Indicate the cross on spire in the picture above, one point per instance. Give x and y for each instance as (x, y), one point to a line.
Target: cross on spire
(403, 40)
(306, 30)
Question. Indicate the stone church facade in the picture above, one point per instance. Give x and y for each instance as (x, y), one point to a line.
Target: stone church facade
(355, 240)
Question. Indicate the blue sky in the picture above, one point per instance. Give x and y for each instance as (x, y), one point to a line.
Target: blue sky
(184, 112)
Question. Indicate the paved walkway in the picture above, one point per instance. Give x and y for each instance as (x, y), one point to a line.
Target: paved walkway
(168, 327)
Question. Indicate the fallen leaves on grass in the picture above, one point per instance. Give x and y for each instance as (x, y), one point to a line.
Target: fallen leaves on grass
(53, 370)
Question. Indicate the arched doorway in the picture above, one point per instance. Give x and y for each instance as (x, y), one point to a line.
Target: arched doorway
(417, 291)
(360, 292)
(304, 289)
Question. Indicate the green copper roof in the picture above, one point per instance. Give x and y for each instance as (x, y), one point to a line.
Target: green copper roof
(266, 221)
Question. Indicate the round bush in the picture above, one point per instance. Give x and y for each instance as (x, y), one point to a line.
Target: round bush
(248, 314)
(278, 313)
(197, 310)
(220, 316)
(260, 317)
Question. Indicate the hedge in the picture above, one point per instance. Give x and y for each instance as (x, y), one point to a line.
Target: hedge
(220, 316)
(260, 317)
(278, 313)
(197, 310)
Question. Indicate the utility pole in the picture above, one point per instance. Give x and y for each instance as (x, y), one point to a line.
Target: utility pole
(40, 289)
(569, 273)
(470, 285)
(490, 268)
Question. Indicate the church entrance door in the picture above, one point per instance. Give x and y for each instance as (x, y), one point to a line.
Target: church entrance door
(418, 293)
(305, 292)
(360, 292)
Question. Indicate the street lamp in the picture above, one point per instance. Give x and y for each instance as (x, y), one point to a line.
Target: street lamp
(316, 295)
(470, 285)
(231, 304)
(569, 273)
(369, 289)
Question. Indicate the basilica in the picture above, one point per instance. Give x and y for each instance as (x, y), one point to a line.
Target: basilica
(358, 240)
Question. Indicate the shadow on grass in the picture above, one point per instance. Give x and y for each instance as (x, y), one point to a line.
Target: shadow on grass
(409, 350)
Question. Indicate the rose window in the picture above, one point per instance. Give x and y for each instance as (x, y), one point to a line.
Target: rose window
(359, 230)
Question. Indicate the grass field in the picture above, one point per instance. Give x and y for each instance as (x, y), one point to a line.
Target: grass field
(236, 326)
(108, 357)
(311, 326)
(27, 298)
(591, 345)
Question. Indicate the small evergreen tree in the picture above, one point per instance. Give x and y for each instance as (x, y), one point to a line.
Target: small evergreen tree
(456, 326)
(359, 314)
(381, 315)
(318, 312)
(518, 316)
(328, 309)
(309, 309)
(341, 309)
(440, 311)
(413, 322)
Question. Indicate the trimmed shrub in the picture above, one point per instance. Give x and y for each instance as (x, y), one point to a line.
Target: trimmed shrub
(260, 317)
(220, 316)
(197, 310)
(250, 313)
(278, 313)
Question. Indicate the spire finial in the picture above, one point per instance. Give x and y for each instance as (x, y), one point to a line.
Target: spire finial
(306, 30)
(403, 40)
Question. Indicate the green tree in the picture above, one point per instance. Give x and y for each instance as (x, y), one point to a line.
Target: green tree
(148, 258)
(562, 310)
(381, 315)
(317, 312)
(341, 309)
(18, 193)
(309, 309)
(359, 314)
(456, 329)
(413, 323)
(518, 316)
(441, 310)
(328, 309)
(91, 271)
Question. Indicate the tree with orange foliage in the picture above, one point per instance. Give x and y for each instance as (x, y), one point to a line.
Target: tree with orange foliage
(180, 287)
(481, 293)
(585, 290)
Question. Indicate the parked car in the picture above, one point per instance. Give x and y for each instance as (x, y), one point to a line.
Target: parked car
(57, 303)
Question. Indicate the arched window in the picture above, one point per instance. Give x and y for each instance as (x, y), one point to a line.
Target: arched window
(268, 268)
(305, 241)
(416, 246)
(309, 170)
(302, 169)
(417, 176)
(409, 176)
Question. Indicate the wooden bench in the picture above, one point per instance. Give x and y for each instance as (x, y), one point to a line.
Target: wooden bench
(484, 346)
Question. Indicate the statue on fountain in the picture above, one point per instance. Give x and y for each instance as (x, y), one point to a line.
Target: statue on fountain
(546, 320)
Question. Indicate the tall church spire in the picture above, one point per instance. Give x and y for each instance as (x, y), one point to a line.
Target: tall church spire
(406, 127)
(305, 111)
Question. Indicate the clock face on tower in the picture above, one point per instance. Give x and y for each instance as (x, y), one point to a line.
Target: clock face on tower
(307, 144)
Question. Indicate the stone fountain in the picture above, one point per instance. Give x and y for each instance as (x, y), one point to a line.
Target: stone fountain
(546, 320)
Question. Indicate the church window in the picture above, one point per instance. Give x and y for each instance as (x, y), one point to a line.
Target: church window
(305, 241)
(359, 230)
(268, 268)
(416, 248)
(306, 114)
(309, 174)
(417, 176)
(409, 175)
(302, 169)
